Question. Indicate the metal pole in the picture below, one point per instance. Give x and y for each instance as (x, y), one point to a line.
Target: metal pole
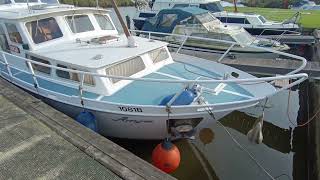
(131, 41)
(81, 89)
(35, 82)
(235, 5)
(225, 53)
(97, 3)
(184, 41)
(7, 65)
(123, 24)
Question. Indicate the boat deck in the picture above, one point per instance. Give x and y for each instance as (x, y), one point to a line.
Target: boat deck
(150, 93)
(153, 93)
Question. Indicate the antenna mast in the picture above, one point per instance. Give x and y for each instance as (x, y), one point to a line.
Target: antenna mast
(131, 42)
(28, 6)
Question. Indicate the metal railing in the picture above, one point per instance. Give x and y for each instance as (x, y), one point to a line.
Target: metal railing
(232, 44)
(300, 77)
(280, 36)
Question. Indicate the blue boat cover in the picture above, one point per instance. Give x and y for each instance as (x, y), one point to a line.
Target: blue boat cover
(167, 19)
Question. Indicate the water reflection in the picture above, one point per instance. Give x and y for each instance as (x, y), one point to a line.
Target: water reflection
(282, 153)
(218, 157)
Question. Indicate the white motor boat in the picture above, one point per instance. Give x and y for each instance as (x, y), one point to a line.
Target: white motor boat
(75, 60)
(197, 22)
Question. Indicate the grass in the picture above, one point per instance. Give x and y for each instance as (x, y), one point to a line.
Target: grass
(309, 19)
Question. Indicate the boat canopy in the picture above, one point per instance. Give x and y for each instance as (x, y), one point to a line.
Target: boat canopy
(2, 2)
(167, 19)
(211, 5)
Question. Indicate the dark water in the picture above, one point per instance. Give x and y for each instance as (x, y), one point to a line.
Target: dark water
(283, 153)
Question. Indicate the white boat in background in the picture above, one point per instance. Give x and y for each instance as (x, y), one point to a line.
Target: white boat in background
(197, 22)
(255, 24)
(75, 60)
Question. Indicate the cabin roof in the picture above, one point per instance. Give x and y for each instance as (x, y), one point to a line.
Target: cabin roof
(96, 55)
(186, 1)
(238, 15)
(21, 11)
(189, 10)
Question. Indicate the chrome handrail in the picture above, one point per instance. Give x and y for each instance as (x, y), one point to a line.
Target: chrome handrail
(280, 36)
(232, 43)
(301, 76)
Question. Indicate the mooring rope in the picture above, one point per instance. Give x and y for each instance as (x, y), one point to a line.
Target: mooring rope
(241, 147)
(308, 109)
(245, 150)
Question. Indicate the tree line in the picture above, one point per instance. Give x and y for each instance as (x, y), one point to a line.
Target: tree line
(92, 3)
(271, 3)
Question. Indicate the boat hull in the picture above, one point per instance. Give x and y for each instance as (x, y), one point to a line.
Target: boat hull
(131, 126)
(133, 121)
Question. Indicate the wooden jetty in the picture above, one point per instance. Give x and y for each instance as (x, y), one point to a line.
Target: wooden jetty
(39, 142)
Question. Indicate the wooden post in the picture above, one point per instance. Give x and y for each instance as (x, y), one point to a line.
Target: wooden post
(285, 4)
(235, 5)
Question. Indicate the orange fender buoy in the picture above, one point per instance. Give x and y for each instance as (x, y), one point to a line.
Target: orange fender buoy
(166, 156)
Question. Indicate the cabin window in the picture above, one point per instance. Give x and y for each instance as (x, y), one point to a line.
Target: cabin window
(40, 68)
(44, 30)
(126, 68)
(203, 6)
(146, 15)
(180, 5)
(14, 34)
(212, 7)
(159, 55)
(262, 19)
(5, 2)
(25, 1)
(254, 20)
(50, 1)
(205, 18)
(104, 22)
(223, 19)
(246, 21)
(3, 40)
(79, 23)
(88, 79)
(168, 19)
(236, 20)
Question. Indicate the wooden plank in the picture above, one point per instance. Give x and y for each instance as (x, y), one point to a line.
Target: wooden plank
(117, 159)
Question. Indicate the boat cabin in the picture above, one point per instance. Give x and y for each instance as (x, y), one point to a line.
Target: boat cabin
(167, 19)
(210, 5)
(197, 22)
(241, 18)
(74, 38)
